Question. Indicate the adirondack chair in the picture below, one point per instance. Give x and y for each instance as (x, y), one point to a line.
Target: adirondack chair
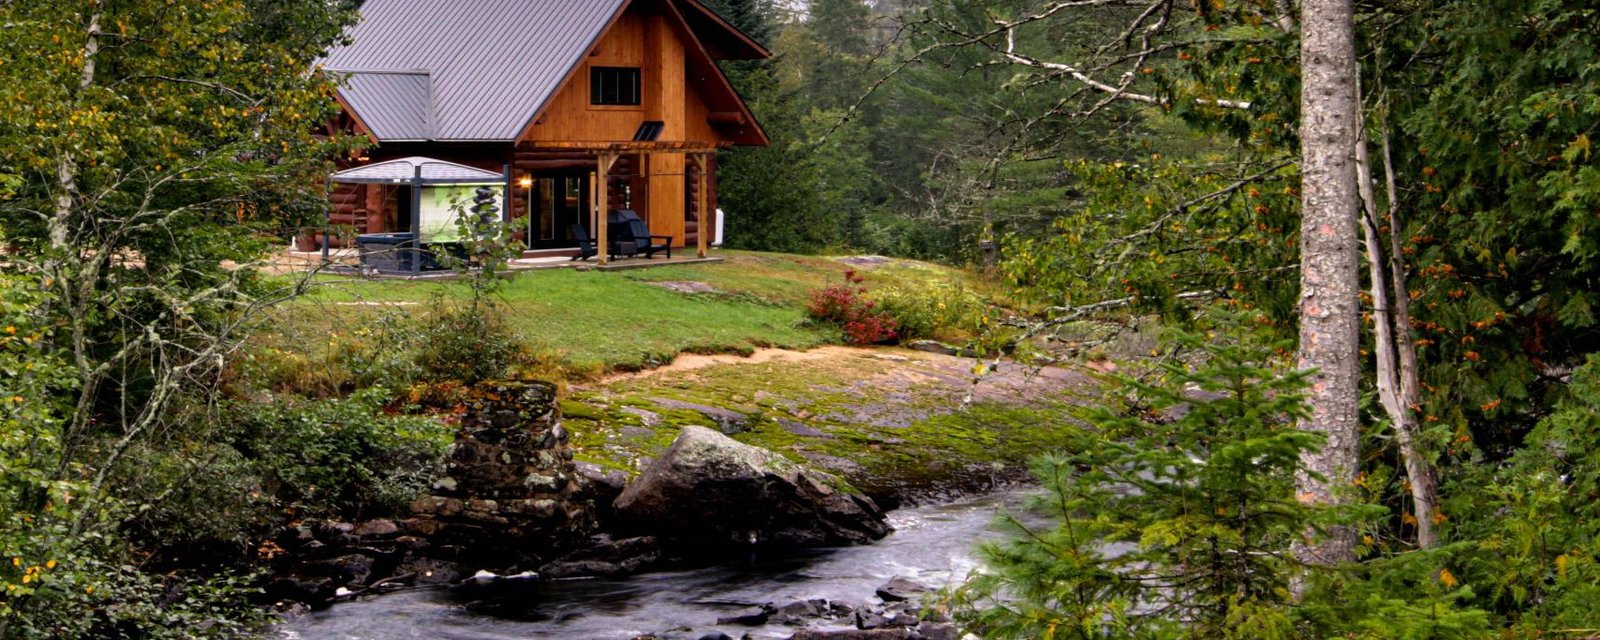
(586, 247)
(633, 237)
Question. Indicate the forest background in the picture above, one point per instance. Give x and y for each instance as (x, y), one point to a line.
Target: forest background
(1104, 160)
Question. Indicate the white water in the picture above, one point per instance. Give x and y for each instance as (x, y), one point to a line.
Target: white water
(932, 545)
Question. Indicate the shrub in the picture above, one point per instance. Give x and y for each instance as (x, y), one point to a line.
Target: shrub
(1535, 522)
(95, 591)
(940, 310)
(309, 361)
(845, 306)
(466, 343)
(340, 458)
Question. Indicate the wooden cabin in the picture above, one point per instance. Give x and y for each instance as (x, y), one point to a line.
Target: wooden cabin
(592, 105)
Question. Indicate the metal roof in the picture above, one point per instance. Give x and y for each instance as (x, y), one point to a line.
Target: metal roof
(405, 169)
(490, 64)
(393, 105)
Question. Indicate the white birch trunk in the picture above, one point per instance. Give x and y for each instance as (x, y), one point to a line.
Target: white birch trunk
(1386, 336)
(67, 164)
(1425, 477)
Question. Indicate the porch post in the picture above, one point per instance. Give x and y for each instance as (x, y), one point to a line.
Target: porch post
(416, 221)
(505, 196)
(603, 206)
(327, 217)
(702, 222)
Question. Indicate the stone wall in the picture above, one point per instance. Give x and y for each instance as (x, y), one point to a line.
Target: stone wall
(506, 495)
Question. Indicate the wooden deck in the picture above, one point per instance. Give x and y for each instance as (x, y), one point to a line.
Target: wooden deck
(346, 261)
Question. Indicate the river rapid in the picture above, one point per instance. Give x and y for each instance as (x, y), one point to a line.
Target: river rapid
(933, 545)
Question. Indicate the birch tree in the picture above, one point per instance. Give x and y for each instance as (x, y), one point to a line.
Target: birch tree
(154, 152)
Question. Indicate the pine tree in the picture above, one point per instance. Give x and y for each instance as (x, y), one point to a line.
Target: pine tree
(1173, 513)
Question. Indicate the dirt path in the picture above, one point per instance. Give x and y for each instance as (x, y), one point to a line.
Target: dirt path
(692, 361)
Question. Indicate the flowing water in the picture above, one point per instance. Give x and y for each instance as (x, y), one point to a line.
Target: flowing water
(931, 544)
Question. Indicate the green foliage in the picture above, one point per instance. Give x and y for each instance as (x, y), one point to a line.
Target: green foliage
(152, 149)
(1500, 194)
(1534, 525)
(1406, 596)
(941, 310)
(85, 596)
(1171, 516)
(339, 458)
(488, 242)
(1146, 232)
(466, 342)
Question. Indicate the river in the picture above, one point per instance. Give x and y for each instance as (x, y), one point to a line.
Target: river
(931, 544)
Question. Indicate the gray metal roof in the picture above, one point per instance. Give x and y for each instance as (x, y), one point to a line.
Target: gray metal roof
(490, 64)
(393, 105)
(405, 169)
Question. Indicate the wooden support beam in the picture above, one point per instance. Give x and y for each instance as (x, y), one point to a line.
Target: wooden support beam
(545, 165)
(659, 146)
(603, 206)
(726, 117)
(702, 221)
(596, 230)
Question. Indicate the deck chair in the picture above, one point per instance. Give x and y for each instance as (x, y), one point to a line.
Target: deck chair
(638, 235)
(586, 247)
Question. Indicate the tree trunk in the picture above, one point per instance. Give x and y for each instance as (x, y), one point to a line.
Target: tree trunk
(1387, 334)
(1425, 477)
(1329, 263)
(67, 165)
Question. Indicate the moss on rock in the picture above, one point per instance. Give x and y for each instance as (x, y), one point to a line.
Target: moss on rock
(891, 422)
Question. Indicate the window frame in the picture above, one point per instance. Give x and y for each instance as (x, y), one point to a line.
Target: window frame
(600, 76)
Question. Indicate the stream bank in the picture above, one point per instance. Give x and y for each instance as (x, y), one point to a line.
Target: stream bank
(932, 545)
(841, 433)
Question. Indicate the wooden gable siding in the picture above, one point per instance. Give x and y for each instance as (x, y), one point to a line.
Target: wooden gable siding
(652, 40)
(648, 36)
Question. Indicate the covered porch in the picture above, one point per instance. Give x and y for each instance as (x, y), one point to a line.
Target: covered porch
(552, 187)
(565, 190)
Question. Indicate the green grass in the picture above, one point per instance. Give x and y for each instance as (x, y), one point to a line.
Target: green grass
(889, 422)
(591, 322)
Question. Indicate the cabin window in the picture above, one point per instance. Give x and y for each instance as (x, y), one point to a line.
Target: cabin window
(614, 86)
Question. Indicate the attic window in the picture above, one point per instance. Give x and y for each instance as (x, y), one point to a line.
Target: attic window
(614, 86)
(649, 131)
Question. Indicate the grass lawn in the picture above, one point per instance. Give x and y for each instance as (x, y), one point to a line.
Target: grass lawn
(590, 322)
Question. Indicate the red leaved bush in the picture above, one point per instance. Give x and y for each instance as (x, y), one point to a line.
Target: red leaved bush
(843, 305)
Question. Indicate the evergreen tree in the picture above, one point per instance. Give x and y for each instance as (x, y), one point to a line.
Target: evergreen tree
(1173, 513)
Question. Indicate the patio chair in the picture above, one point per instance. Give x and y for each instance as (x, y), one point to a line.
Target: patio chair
(635, 235)
(586, 247)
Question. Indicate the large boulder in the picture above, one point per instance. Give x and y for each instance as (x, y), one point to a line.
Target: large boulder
(711, 493)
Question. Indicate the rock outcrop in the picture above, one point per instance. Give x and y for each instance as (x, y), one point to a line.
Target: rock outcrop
(714, 495)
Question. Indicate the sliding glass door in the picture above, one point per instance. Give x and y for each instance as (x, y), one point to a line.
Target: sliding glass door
(556, 202)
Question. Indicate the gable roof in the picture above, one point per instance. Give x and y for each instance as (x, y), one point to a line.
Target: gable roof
(477, 70)
(395, 105)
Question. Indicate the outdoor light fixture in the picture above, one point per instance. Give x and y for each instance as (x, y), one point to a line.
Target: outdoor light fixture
(525, 182)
